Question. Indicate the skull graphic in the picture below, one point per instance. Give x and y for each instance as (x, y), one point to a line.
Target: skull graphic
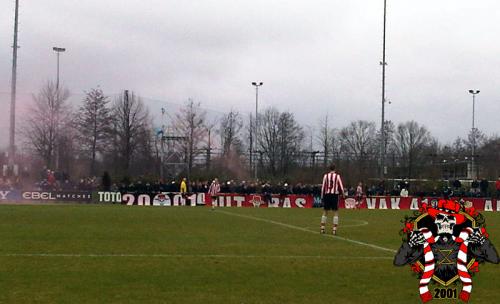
(445, 223)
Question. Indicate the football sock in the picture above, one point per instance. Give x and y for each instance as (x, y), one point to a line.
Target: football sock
(335, 223)
(323, 222)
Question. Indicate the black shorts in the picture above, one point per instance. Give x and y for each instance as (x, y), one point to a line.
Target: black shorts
(331, 202)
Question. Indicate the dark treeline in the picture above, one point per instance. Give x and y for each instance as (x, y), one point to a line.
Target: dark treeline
(118, 136)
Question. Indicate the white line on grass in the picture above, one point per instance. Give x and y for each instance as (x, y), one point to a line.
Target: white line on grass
(92, 255)
(307, 230)
(361, 223)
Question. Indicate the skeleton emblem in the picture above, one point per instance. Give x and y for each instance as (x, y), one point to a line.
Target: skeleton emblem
(442, 243)
(445, 223)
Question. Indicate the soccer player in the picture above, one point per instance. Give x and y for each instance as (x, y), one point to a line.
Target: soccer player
(213, 191)
(359, 195)
(183, 190)
(330, 191)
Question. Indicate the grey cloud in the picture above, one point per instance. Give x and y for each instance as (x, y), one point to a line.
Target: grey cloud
(313, 56)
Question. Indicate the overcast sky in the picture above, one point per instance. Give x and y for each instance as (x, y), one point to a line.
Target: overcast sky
(314, 57)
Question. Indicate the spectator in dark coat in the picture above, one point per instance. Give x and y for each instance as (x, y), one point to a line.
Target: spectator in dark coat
(457, 184)
(483, 185)
(106, 181)
(497, 187)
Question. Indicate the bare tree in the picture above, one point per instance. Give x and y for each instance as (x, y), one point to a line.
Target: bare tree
(291, 136)
(268, 141)
(358, 149)
(476, 138)
(459, 147)
(390, 131)
(249, 138)
(46, 122)
(358, 140)
(210, 126)
(390, 151)
(189, 123)
(130, 125)
(93, 125)
(280, 139)
(144, 160)
(456, 150)
(229, 130)
(326, 139)
(411, 140)
(490, 157)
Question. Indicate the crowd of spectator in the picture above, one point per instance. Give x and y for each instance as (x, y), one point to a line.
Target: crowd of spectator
(230, 186)
(59, 181)
(456, 188)
(7, 184)
(480, 188)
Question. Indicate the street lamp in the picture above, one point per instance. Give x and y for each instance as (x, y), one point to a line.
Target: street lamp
(58, 50)
(474, 93)
(256, 85)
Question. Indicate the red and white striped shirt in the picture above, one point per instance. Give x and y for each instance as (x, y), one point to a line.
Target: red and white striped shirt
(214, 188)
(359, 191)
(332, 184)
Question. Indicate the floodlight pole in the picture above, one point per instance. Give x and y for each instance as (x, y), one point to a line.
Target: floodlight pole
(12, 140)
(256, 85)
(162, 143)
(474, 93)
(383, 63)
(58, 50)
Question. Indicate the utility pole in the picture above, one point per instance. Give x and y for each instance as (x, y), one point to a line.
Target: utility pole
(12, 140)
(383, 63)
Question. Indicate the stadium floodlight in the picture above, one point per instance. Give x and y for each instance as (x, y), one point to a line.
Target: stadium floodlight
(13, 88)
(473, 171)
(58, 50)
(256, 85)
(383, 63)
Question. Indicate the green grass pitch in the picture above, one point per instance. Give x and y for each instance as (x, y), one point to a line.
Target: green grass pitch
(131, 254)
